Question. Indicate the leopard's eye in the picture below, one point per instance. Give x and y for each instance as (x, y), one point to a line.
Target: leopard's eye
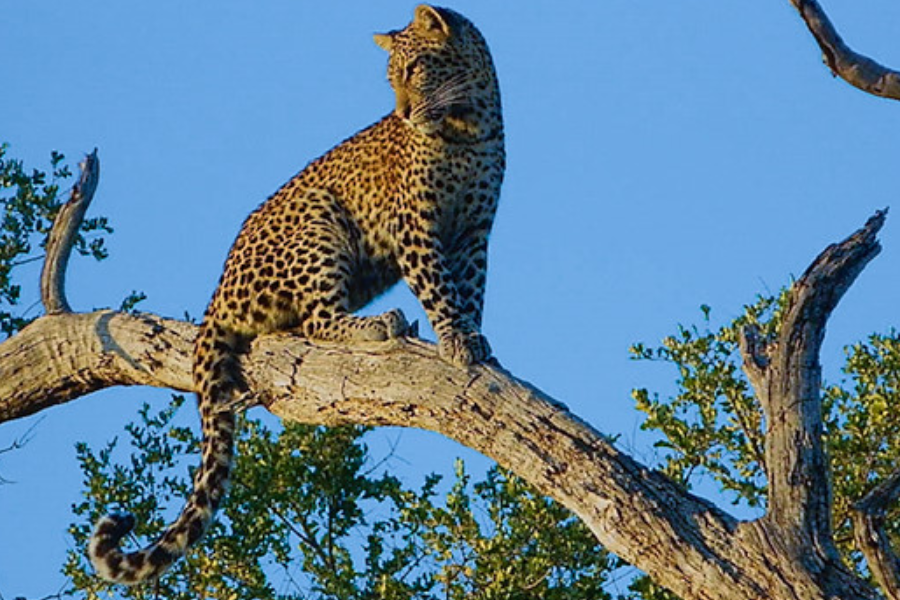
(410, 69)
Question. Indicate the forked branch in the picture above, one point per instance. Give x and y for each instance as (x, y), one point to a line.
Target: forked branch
(857, 70)
(786, 376)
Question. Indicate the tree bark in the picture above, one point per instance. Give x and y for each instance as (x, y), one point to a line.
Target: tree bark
(871, 537)
(856, 69)
(684, 542)
(787, 379)
(62, 237)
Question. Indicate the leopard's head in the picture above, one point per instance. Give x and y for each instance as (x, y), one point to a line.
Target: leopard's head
(443, 76)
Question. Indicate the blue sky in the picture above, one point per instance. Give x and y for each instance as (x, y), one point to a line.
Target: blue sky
(662, 155)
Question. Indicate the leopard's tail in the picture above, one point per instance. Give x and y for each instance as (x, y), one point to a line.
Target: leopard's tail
(218, 383)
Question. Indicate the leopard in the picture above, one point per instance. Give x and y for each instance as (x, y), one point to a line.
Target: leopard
(411, 197)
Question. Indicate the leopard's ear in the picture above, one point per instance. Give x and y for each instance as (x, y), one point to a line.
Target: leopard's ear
(431, 22)
(384, 40)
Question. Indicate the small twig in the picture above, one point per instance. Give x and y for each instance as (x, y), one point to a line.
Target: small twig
(22, 440)
(26, 261)
(63, 235)
(857, 70)
(391, 454)
(18, 444)
(755, 361)
(871, 538)
(306, 536)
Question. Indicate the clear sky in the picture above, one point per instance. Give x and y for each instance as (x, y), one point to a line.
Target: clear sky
(662, 155)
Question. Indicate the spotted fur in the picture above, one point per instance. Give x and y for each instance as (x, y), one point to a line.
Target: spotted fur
(412, 197)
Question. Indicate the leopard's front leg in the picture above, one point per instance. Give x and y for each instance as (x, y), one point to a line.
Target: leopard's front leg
(427, 271)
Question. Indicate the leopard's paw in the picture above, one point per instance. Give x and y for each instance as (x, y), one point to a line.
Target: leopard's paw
(395, 324)
(464, 348)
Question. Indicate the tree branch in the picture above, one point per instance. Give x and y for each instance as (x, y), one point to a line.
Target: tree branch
(857, 70)
(58, 358)
(753, 352)
(63, 235)
(786, 376)
(682, 541)
(871, 537)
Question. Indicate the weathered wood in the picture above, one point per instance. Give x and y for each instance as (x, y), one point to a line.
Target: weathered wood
(684, 542)
(62, 237)
(787, 379)
(871, 537)
(856, 69)
(59, 358)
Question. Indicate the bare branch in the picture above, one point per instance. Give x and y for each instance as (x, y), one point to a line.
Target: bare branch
(17, 444)
(789, 390)
(755, 360)
(684, 542)
(872, 539)
(20, 442)
(63, 235)
(58, 358)
(857, 70)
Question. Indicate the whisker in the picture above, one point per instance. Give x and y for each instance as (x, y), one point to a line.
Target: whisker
(448, 93)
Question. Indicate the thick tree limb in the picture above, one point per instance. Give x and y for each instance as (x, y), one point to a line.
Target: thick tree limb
(871, 537)
(62, 237)
(857, 70)
(684, 542)
(59, 358)
(787, 379)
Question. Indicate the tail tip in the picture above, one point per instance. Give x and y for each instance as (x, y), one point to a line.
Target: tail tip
(114, 526)
(107, 534)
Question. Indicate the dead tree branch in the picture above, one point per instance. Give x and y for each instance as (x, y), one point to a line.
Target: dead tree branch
(787, 379)
(871, 537)
(62, 237)
(684, 542)
(58, 358)
(856, 69)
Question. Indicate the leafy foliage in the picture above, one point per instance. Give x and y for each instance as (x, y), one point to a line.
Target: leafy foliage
(863, 431)
(28, 204)
(308, 516)
(713, 425)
